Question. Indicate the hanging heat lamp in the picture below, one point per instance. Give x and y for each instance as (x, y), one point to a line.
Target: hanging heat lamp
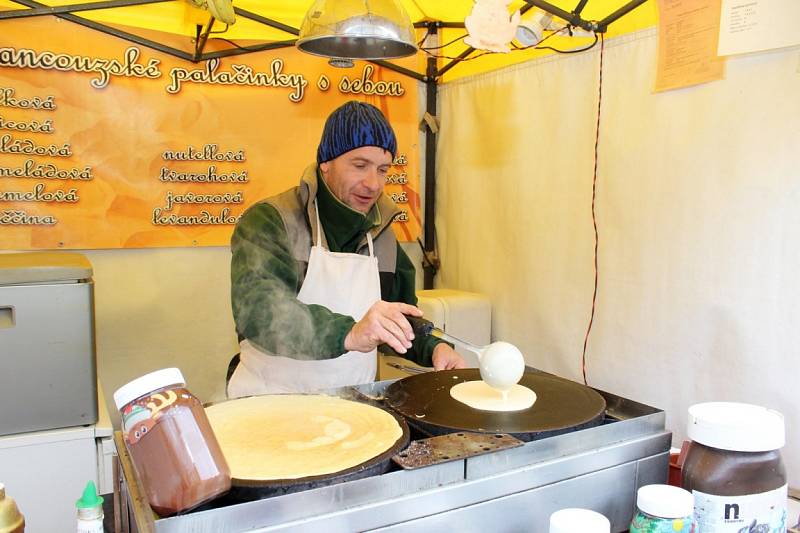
(357, 29)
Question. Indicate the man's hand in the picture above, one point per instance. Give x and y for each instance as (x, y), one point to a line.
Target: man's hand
(383, 323)
(446, 358)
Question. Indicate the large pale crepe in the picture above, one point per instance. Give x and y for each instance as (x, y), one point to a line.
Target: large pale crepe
(288, 436)
(479, 395)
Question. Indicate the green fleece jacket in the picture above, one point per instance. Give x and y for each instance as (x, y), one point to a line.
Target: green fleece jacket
(266, 278)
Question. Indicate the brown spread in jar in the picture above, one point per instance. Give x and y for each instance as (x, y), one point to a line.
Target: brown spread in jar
(173, 447)
(732, 473)
(734, 468)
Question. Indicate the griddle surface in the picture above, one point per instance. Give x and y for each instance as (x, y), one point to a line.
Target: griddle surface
(561, 405)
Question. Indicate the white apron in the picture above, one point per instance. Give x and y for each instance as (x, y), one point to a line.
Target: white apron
(347, 284)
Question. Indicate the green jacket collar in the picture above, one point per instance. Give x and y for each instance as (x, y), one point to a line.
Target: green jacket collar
(344, 228)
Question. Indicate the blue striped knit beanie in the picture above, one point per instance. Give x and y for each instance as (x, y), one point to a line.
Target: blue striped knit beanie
(353, 125)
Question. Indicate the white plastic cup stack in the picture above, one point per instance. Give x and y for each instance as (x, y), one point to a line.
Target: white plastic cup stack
(579, 521)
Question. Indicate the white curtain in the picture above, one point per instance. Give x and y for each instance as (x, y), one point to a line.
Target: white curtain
(697, 212)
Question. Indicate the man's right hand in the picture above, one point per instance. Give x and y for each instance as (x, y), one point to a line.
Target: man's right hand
(383, 323)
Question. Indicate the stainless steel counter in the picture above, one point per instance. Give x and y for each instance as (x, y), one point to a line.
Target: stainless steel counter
(511, 490)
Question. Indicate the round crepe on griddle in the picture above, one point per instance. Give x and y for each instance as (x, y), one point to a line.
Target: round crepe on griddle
(292, 436)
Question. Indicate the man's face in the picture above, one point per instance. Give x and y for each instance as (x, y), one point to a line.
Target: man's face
(357, 177)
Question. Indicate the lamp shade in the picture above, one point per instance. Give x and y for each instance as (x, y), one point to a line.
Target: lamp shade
(357, 29)
(530, 33)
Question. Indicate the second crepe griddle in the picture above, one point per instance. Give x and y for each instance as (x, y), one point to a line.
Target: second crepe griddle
(243, 490)
(561, 406)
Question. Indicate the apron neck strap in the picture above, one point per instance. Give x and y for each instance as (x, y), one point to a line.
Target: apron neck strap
(319, 232)
(319, 226)
(369, 243)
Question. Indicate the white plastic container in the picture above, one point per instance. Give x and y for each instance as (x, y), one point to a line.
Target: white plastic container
(663, 509)
(579, 521)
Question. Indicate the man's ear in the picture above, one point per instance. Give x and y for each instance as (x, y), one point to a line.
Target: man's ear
(323, 167)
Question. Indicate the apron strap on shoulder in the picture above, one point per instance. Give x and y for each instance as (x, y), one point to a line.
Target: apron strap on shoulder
(319, 226)
(369, 244)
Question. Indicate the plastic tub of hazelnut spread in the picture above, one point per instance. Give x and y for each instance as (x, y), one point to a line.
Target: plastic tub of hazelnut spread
(173, 448)
(734, 468)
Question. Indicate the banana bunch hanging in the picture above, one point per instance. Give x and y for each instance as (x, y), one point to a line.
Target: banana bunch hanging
(222, 10)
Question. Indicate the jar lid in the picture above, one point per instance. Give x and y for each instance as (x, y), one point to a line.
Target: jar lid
(665, 501)
(147, 383)
(578, 521)
(737, 427)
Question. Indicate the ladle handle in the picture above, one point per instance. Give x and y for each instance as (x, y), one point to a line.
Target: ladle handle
(477, 350)
(419, 325)
(422, 326)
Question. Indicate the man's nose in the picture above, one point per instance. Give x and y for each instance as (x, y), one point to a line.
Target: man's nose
(373, 180)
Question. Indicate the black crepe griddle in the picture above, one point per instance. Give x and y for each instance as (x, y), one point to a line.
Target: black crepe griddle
(561, 406)
(243, 490)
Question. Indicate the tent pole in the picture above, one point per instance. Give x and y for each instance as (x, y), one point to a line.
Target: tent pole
(266, 21)
(397, 68)
(572, 18)
(431, 93)
(72, 8)
(463, 55)
(228, 52)
(624, 10)
(202, 38)
(113, 31)
(579, 7)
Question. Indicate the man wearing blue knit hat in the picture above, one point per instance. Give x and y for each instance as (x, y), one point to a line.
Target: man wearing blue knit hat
(318, 280)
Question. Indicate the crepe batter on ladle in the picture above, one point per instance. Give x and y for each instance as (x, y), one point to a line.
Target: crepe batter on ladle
(501, 367)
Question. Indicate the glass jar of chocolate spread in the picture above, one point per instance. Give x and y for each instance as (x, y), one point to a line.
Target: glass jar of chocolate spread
(171, 443)
(734, 468)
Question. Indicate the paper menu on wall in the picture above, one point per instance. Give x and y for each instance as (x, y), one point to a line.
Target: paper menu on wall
(687, 43)
(754, 25)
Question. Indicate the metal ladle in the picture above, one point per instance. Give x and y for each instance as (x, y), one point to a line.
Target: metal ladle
(501, 364)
